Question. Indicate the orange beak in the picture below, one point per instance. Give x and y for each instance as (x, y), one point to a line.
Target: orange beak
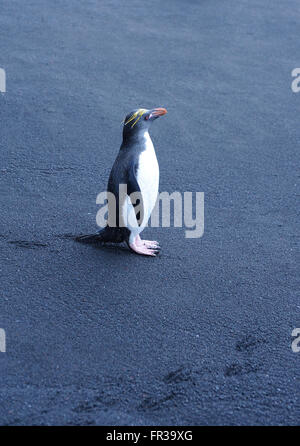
(159, 112)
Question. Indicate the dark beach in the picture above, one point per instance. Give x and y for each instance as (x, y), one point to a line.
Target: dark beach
(202, 333)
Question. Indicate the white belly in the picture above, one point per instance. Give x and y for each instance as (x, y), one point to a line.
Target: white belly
(148, 178)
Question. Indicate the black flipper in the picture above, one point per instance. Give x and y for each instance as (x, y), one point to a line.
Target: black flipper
(137, 199)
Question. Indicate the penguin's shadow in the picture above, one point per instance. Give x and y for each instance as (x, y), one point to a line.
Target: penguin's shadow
(108, 247)
(117, 248)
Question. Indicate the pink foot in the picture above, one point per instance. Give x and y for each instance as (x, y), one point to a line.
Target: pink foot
(148, 243)
(151, 244)
(142, 249)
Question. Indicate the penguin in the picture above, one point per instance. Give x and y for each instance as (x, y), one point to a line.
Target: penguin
(135, 168)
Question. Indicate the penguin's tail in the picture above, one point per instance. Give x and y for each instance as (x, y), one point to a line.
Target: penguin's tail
(105, 235)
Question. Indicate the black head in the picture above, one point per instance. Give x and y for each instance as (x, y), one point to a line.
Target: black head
(139, 121)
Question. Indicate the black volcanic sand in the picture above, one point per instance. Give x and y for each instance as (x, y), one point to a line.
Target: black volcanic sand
(201, 334)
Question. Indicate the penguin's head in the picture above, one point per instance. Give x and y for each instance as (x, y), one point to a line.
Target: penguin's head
(140, 120)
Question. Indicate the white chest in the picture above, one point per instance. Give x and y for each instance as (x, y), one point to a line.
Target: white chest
(148, 176)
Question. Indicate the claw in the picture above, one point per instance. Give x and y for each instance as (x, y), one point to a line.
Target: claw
(143, 250)
(151, 244)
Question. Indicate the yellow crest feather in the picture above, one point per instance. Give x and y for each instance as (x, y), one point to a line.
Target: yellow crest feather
(136, 115)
